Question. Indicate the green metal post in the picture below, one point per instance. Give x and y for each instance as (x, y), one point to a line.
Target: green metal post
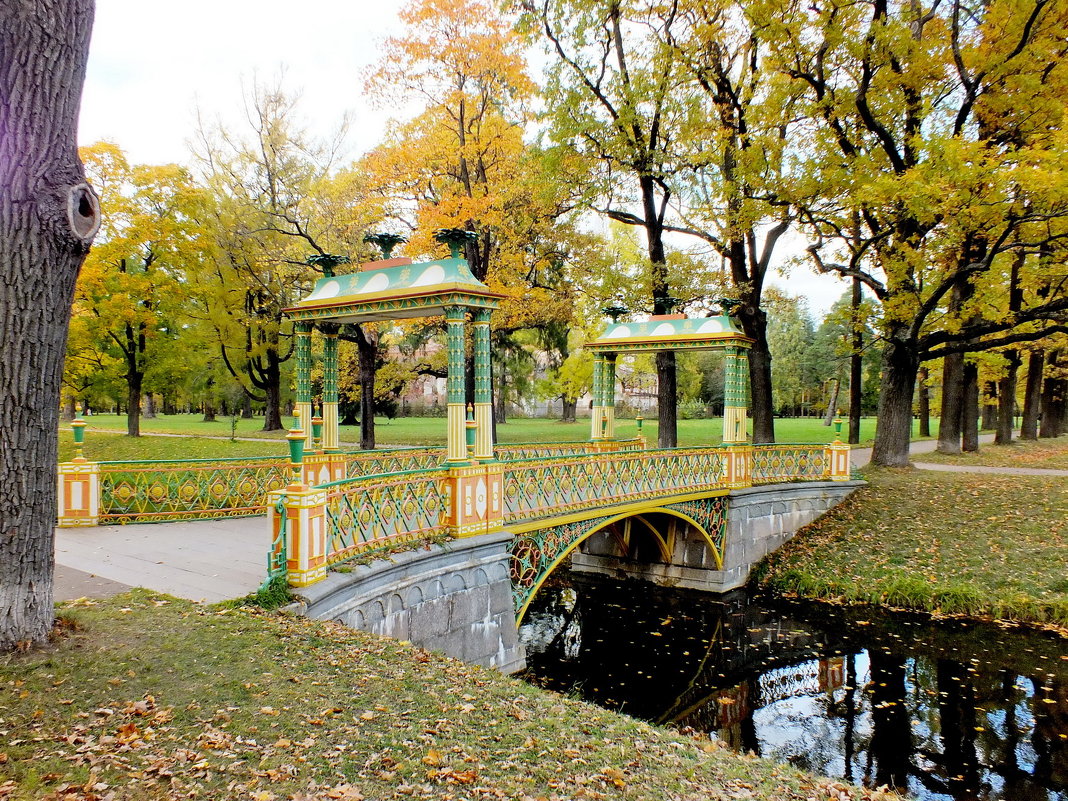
(454, 383)
(330, 397)
(480, 320)
(302, 409)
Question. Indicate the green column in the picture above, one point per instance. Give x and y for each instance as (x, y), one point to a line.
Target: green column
(597, 411)
(303, 407)
(483, 393)
(330, 398)
(456, 450)
(735, 395)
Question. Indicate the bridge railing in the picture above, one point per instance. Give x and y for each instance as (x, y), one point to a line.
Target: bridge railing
(158, 491)
(557, 485)
(774, 463)
(190, 489)
(377, 512)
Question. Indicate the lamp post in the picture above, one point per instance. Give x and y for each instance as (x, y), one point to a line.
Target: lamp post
(385, 242)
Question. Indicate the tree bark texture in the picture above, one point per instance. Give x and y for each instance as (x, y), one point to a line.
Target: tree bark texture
(1054, 390)
(856, 364)
(367, 358)
(568, 407)
(48, 217)
(894, 426)
(969, 413)
(923, 402)
(1036, 361)
(667, 399)
(755, 325)
(949, 423)
(990, 406)
(1007, 399)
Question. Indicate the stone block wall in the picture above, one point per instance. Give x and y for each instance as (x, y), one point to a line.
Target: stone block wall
(454, 598)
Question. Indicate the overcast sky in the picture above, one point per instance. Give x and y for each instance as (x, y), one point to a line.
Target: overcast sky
(152, 64)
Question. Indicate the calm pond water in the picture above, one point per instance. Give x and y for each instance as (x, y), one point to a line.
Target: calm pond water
(946, 711)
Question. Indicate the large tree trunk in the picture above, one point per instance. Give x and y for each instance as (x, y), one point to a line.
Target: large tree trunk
(1036, 359)
(246, 407)
(667, 399)
(272, 389)
(48, 217)
(990, 406)
(1053, 397)
(1007, 399)
(568, 409)
(969, 414)
(923, 402)
(949, 422)
(856, 363)
(133, 403)
(894, 426)
(367, 357)
(755, 325)
(70, 410)
(150, 406)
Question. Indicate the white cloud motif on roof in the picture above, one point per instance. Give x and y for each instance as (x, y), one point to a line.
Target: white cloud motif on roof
(664, 330)
(434, 274)
(712, 326)
(327, 290)
(377, 283)
(617, 332)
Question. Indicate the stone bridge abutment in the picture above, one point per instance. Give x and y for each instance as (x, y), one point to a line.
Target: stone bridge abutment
(461, 597)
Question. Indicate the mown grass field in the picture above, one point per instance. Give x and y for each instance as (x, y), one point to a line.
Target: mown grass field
(149, 697)
(1042, 453)
(401, 432)
(948, 543)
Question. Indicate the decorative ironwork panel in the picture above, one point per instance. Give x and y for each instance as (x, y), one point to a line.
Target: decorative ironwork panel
(192, 489)
(776, 463)
(557, 485)
(535, 553)
(711, 513)
(376, 512)
(369, 463)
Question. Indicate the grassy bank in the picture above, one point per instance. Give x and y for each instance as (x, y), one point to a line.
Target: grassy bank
(1042, 453)
(952, 543)
(114, 447)
(147, 697)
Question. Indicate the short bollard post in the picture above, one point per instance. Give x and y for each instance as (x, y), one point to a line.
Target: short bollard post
(78, 501)
(303, 512)
(837, 452)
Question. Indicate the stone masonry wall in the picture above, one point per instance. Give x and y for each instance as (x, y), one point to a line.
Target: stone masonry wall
(455, 598)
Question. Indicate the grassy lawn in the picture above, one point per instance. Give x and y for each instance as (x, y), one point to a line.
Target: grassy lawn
(939, 542)
(148, 697)
(414, 431)
(111, 447)
(1046, 453)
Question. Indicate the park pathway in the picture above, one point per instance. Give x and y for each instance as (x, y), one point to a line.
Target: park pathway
(215, 560)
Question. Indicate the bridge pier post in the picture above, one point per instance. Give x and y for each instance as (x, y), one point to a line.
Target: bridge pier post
(302, 513)
(476, 499)
(79, 494)
(738, 466)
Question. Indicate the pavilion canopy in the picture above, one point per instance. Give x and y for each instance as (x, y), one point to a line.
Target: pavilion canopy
(670, 332)
(394, 289)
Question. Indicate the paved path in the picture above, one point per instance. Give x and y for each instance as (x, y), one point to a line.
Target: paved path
(208, 560)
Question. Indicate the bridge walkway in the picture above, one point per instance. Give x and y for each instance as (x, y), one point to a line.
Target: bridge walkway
(175, 558)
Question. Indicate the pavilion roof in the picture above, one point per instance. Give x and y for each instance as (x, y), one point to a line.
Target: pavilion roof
(394, 289)
(670, 332)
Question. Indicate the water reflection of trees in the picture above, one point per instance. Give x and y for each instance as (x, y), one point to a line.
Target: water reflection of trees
(908, 707)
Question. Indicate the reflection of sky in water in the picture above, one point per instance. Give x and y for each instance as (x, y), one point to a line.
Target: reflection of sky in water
(949, 712)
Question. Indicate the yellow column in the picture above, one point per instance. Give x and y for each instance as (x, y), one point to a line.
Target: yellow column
(302, 409)
(608, 395)
(597, 410)
(330, 399)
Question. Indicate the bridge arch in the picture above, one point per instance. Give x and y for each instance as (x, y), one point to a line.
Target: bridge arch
(536, 553)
